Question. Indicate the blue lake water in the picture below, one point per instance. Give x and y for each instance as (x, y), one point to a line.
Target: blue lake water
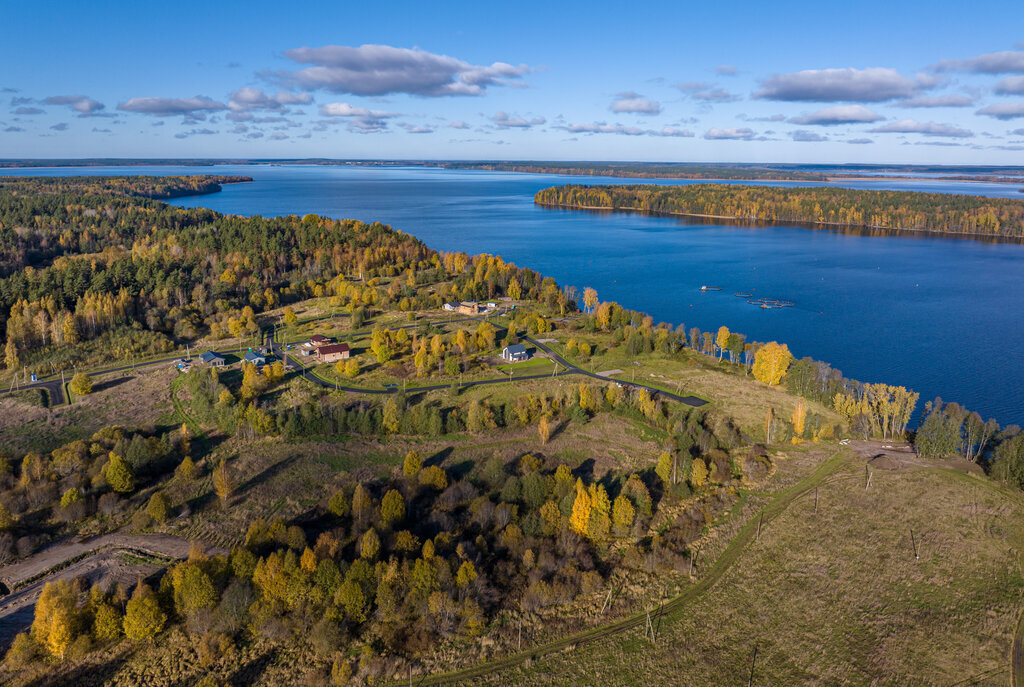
(941, 316)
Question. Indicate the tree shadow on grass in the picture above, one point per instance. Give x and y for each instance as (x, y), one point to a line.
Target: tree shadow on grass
(250, 672)
(85, 675)
(111, 383)
(438, 457)
(559, 429)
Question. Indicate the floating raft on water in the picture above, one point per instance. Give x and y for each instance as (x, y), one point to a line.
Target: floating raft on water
(740, 294)
(766, 303)
(711, 288)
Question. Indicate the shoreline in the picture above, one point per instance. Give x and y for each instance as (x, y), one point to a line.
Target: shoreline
(805, 224)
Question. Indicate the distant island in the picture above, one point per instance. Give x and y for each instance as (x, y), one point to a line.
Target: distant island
(157, 188)
(900, 211)
(740, 171)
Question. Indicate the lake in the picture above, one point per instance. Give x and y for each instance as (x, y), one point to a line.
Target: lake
(941, 316)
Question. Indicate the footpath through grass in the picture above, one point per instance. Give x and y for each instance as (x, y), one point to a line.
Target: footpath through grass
(828, 468)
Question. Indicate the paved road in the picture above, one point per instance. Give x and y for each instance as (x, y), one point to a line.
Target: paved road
(570, 369)
(56, 388)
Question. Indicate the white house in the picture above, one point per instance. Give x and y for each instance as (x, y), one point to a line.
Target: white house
(515, 353)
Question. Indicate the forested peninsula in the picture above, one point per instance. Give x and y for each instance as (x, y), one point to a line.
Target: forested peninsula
(158, 188)
(898, 211)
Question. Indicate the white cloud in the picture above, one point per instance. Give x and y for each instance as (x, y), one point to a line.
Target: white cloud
(635, 103)
(840, 114)
(1003, 110)
(726, 70)
(359, 119)
(716, 95)
(873, 85)
(383, 69)
(938, 101)
(619, 129)
(1005, 62)
(194, 108)
(503, 120)
(416, 129)
(860, 141)
(801, 136)
(911, 126)
(248, 98)
(84, 105)
(1011, 85)
(729, 134)
(458, 125)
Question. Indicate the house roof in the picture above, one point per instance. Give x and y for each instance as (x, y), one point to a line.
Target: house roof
(332, 348)
(251, 356)
(318, 338)
(210, 356)
(515, 348)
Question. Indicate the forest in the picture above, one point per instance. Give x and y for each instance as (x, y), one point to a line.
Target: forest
(359, 533)
(896, 211)
(645, 170)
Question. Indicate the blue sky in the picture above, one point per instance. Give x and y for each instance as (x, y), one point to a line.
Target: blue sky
(893, 82)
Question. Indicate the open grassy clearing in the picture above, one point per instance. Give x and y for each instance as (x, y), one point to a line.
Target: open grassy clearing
(117, 399)
(725, 385)
(838, 597)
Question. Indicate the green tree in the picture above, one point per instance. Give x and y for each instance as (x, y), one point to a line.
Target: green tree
(158, 507)
(392, 508)
(143, 618)
(623, 515)
(118, 475)
(81, 384)
(412, 464)
(338, 504)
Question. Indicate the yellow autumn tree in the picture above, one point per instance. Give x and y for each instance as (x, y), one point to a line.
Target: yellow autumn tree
(698, 473)
(799, 418)
(722, 340)
(544, 429)
(143, 617)
(623, 515)
(771, 362)
(589, 298)
(412, 464)
(580, 518)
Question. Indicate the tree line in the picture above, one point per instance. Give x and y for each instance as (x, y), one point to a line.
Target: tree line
(822, 206)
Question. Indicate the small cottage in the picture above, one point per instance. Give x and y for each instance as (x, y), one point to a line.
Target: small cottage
(515, 353)
(254, 358)
(332, 353)
(213, 359)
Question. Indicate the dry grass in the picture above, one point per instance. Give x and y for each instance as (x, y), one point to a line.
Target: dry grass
(838, 597)
(131, 401)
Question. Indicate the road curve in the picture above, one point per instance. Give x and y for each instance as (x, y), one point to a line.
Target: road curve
(56, 388)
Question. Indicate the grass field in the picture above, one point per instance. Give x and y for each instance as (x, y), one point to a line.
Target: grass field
(838, 597)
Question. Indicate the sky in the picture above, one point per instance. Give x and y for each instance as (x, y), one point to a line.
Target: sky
(870, 82)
